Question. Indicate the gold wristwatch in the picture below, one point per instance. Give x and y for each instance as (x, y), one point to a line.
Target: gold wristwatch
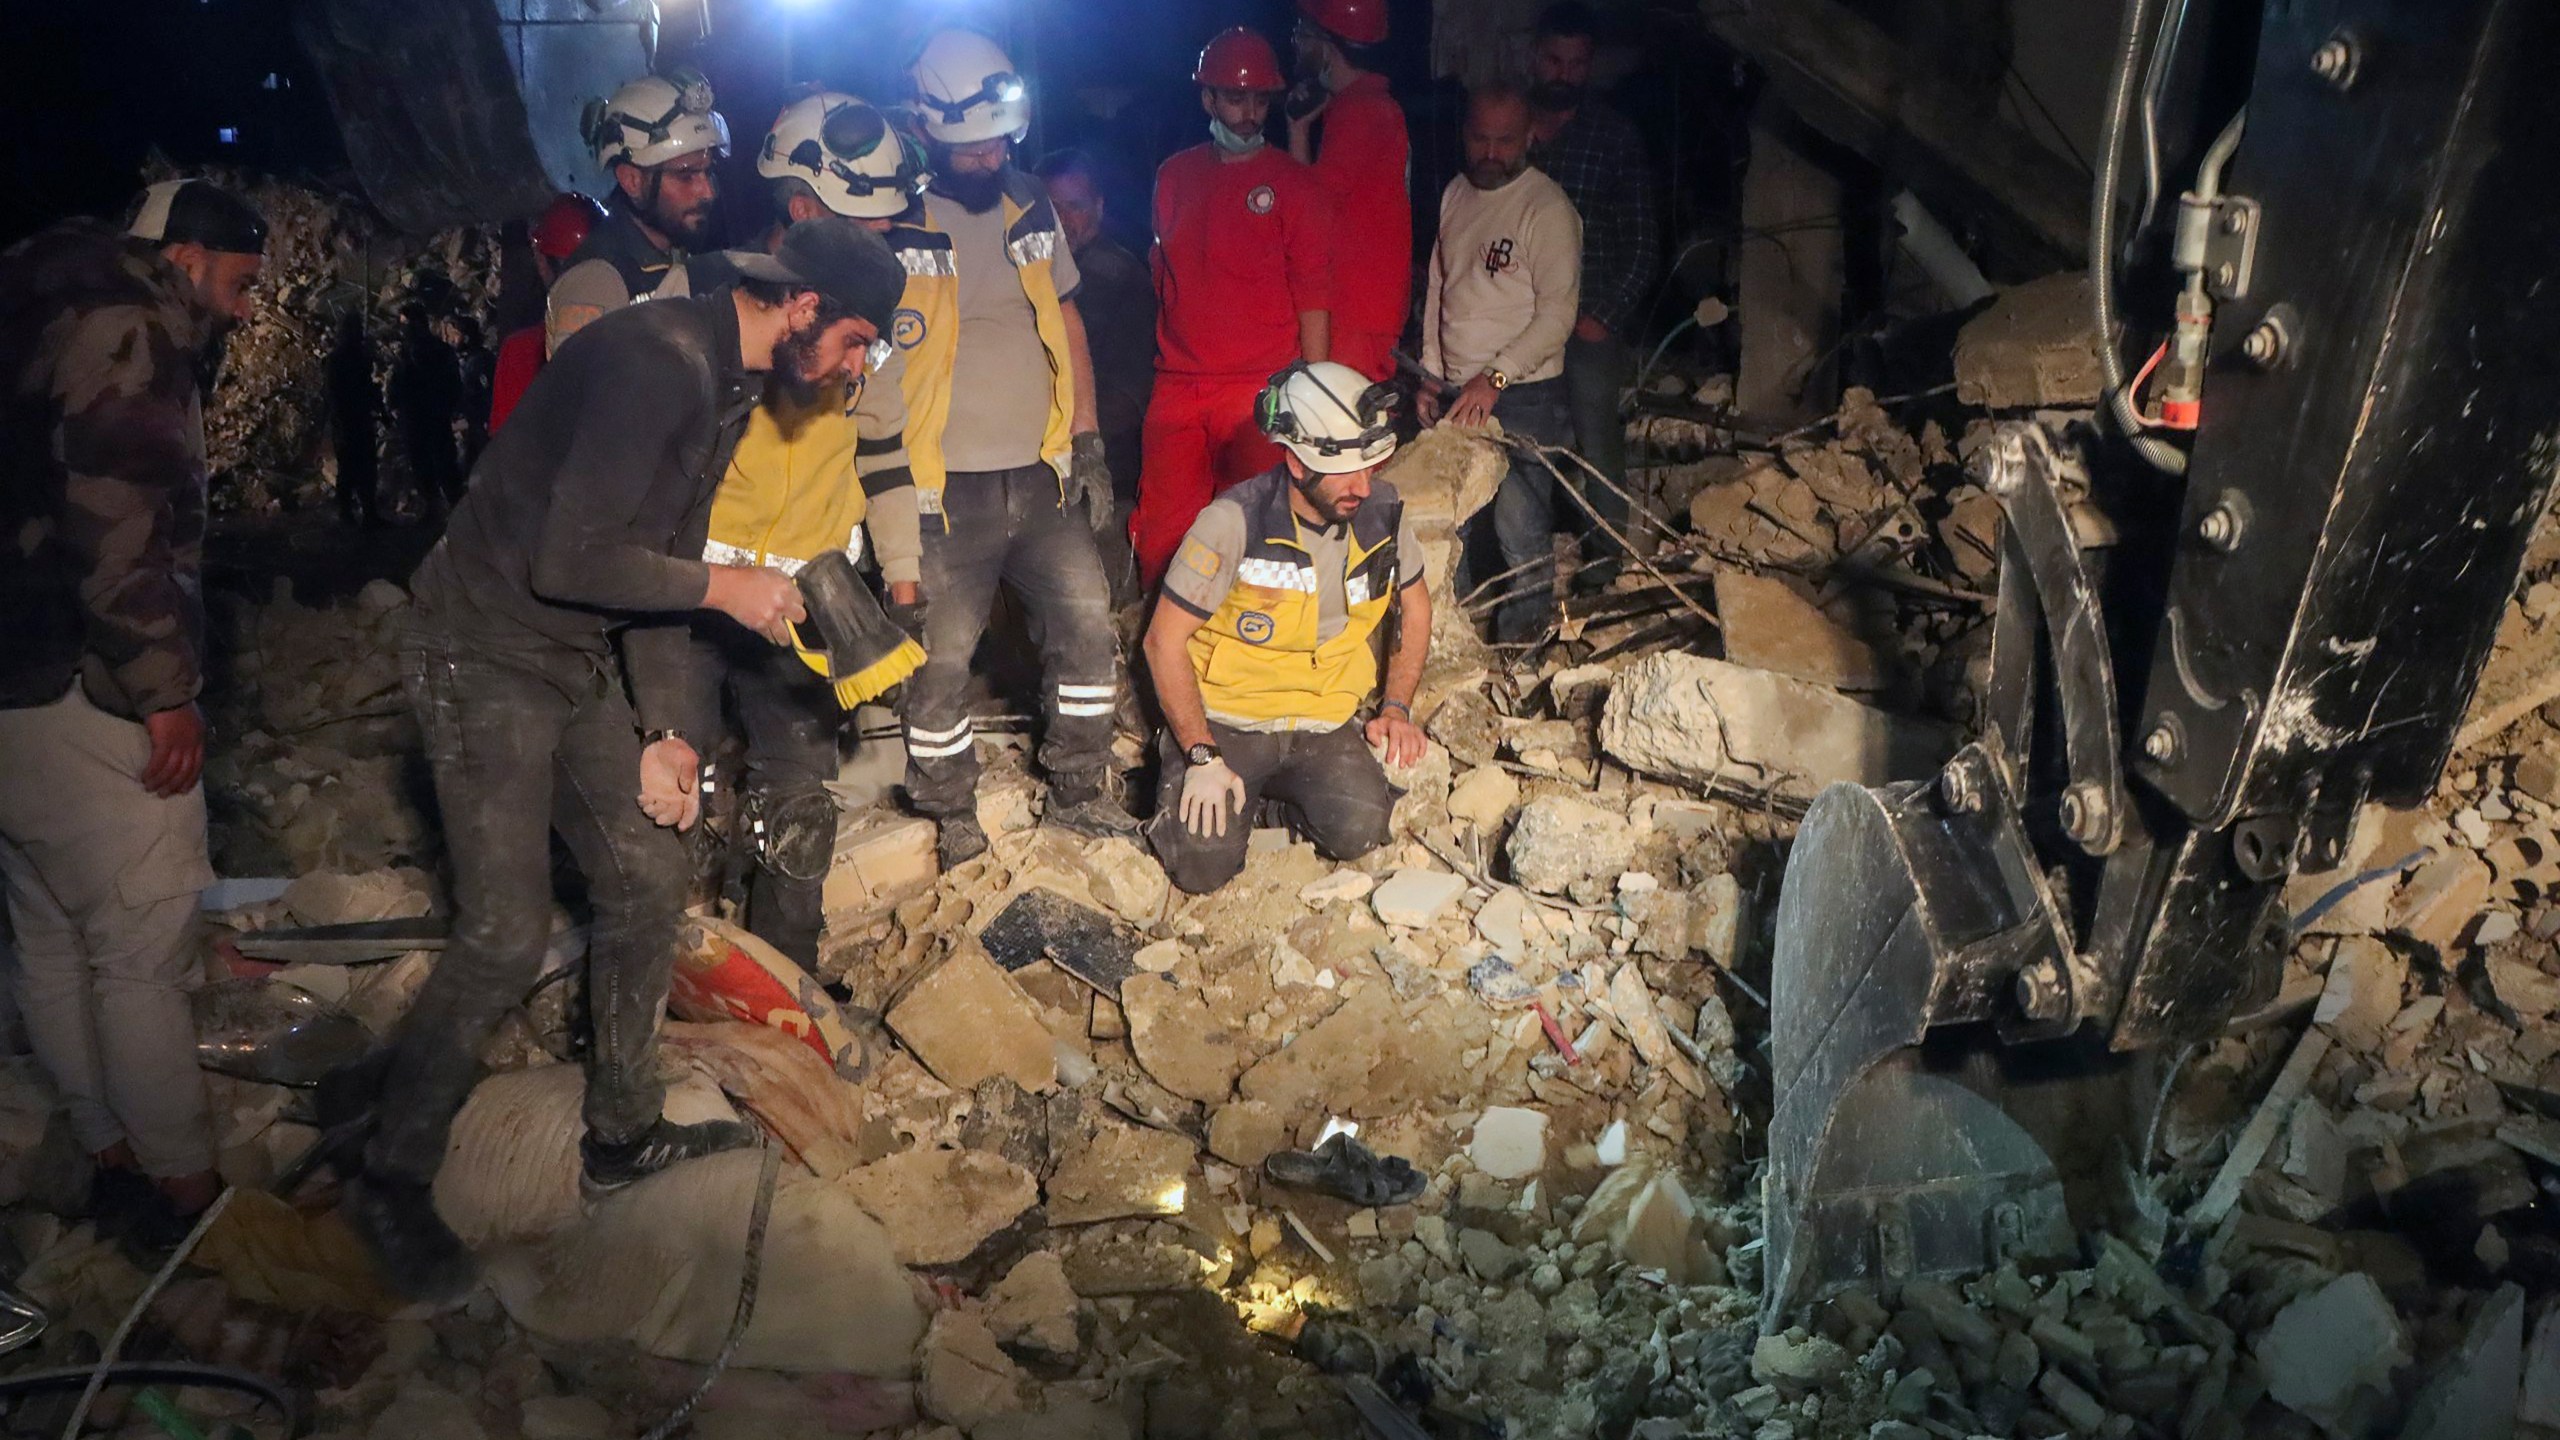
(1500, 380)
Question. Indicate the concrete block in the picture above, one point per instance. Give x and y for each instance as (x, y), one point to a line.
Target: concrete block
(967, 1021)
(1510, 1143)
(880, 859)
(2472, 1393)
(1728, 728)
(1416, 897)
(2331, 1353)
(1560, 844)
(1768, 626)
(1484, 796)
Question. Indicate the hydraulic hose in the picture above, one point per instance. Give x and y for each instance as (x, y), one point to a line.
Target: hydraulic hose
(2159, 454)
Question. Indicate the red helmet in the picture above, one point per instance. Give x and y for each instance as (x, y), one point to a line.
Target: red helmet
(564, 225)
(1359, 22)
(1239, 59)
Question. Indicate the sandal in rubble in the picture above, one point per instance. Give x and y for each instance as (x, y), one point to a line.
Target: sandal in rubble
(1346, 1169)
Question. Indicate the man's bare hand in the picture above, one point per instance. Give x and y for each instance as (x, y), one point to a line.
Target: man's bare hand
(1427, 404)
(177, 750)
(765, 601)
(1394, 730)
(1474, 404)
(671, 783)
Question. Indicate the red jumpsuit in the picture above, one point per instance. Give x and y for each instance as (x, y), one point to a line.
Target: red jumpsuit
(1363, 158)
(1241, 248)
(519, 360)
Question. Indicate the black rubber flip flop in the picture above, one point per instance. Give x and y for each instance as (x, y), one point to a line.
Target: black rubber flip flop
(1346, 1169)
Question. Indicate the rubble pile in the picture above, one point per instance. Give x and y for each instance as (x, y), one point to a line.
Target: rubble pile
(317, 764)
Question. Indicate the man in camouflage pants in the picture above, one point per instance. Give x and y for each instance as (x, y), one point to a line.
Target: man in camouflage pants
(105, 338)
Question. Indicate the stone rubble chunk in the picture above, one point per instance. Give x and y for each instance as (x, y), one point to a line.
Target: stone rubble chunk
(2436, 904)
(1796, 1358)
(2332, 1352)
(1510, 1143)
(1127, 1170)
(1727, 728)
(1768, 626)
(2033, 346)
(1034, 1308)
(939, 1205)
(1124, 877)
(1560, 843)
(968, 1021)
(565, 1417)
(1661, 1231)
(1245, 1132)
(1632, 1006)
(1189, 1048)
(967, 1379)
(880, 859)
(1415, 897)
(1484, 797)
(2362, 993)
(2472, 1394)
(2524, 988)
(1340, 887)
(1488, 1255)
(2541, 1403)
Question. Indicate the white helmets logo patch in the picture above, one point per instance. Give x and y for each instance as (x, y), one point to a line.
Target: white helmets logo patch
(1260, 200)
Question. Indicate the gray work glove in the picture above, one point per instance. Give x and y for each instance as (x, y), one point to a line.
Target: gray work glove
(909, 618)
(1089, 477)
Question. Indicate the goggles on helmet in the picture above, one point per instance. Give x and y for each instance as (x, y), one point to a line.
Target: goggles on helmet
(1373, 410)
(1002, 88)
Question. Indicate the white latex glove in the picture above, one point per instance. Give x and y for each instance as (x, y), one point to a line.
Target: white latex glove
(1209, 793)
(671, 783)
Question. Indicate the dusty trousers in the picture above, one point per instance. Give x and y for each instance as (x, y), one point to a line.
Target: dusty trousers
(523, 742)
(1330, 778)
(103, 879)
(1200, 439)
(1597, 373)
(1008, 527)
(790, 718)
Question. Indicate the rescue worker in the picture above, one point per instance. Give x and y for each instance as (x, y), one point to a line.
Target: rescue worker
(562, 228)
(104, 338)
(1343, 121)
(1001, 433)
(817, 467)
(1244, 285)
(659, 138)
(581, 528)
(1263, 651)
(1596, 153)
(1505, 283)
(1118, 303)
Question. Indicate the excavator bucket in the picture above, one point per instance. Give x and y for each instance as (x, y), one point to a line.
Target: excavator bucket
(1896, 1150)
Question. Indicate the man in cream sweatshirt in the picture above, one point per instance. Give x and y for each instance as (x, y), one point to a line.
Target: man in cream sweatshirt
(1504, 290)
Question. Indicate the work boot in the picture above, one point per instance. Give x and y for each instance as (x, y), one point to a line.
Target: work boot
(611, 1167)
(419, 1254)
(961, 840)
(1095, 814)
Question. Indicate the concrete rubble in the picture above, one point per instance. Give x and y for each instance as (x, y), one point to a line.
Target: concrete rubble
(1037, 1205)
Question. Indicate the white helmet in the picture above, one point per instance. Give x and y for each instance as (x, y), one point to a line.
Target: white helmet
(858, 163)
(653, 120)
(1330, 416)
(966, 89)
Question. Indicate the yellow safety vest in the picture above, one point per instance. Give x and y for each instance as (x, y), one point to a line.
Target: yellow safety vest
(927, 329)
(1258, 657)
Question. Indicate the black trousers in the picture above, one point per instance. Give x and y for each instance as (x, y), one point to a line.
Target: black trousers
(790, 719)
(522, 744)
(1340, 794)
(1007, 527)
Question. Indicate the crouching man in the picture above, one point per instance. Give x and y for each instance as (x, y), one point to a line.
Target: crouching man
(1264, 648)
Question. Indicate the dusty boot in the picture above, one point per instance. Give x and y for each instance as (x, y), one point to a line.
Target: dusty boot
(419, 1254)
(1094, 814)
(961, 840)
(610, 1167)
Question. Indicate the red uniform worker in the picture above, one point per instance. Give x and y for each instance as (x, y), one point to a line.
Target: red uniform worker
(556, 236)
(1243, 268)
(1355, 138)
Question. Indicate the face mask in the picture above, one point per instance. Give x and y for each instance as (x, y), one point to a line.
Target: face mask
(1231, 142)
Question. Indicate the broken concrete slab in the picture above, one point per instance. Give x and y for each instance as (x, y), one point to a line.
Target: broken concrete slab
(2330, 1354)
(1510, 1143)
(1185, 1044)
(2440, 901)
(1034, 1308)
(1631, 1005)
(1747, 732)
(1339, 888)
(1488, 1255)
(1245, 1132)
(2541, 1403)
(1768, 625)
(1661, 1231)
(940, 1205)
(967, 1379)
(967, 1021)
(1561, 844)
(1126, 1170)
(1125, 877)
(2472, 1394)
(2361, 996)
(1415, 898)
(2523, 988)
(1104, 1261)
(881, 858)
(2035, 347)
(1369, 1058)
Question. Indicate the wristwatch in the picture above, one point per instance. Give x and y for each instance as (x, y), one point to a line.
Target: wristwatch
(1500, 380)
(654, 736)
(1201, 754)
